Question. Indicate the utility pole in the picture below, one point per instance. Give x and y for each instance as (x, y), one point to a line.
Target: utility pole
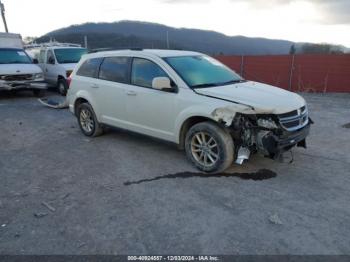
(86, 41)
(167, 39)
(2, 7)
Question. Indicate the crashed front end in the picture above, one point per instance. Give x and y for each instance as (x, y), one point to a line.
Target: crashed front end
(268, 134)
(22, 82)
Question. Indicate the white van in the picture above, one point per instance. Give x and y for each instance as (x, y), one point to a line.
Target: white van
(57, 60)
(17, 70)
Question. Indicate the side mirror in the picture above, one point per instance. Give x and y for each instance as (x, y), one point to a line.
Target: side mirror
(162, 83)
(35, 61)
(51, 60)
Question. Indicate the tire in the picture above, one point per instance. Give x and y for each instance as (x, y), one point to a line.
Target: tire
(39, 92)
(90, 126)
(218, 157)
(62, 86)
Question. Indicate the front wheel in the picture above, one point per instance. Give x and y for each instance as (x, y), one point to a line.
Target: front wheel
(209, 147)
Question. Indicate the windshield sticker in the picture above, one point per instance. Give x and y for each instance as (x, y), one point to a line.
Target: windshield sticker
(21, 53)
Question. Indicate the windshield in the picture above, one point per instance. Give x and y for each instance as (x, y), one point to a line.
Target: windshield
(69, 55)
(14, 56)
(202, 71)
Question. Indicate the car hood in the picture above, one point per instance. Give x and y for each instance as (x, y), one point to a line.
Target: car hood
(18, 69)
(262, 97)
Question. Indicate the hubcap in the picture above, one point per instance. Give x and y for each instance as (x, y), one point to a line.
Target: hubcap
(204, 149)
(86, 120)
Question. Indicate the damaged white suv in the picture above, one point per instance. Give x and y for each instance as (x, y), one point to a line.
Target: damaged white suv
(190, 99)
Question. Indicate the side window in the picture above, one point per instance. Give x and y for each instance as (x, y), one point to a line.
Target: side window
(49, 56)
(90, 68)
(115, 69)
(143, 72)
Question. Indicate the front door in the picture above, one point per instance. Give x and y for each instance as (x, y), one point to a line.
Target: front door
(49, 71)
(149, 111)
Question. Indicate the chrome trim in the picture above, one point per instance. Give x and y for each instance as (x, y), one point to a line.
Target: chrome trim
(299, 117)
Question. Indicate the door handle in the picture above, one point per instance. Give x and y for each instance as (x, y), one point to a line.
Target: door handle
(94, 86)
(131, 93)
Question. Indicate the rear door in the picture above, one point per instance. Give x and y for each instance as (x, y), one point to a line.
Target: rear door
(113, 79)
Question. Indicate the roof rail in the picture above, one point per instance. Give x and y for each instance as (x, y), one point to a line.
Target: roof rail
(50, 44)
(96, 50)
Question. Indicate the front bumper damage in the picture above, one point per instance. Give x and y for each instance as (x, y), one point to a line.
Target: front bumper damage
(22, 85)
(272, 145)
(271, 139)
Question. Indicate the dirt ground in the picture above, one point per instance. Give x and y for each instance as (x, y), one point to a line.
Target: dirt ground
(123, 193)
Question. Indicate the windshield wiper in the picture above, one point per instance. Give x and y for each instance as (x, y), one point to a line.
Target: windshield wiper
(67, 62)
(18, 62)
(204, 85)
(236, 81)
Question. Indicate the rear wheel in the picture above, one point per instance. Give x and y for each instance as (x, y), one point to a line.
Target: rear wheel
(62, 86)
(209, 147)
(87, 121)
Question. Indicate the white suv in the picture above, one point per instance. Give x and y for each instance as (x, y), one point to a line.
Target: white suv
(190, 99)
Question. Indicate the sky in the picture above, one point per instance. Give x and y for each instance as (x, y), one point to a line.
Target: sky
(319, 21)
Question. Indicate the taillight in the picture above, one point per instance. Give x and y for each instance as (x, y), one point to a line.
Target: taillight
(69, 80)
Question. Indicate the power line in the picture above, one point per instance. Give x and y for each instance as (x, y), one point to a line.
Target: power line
(2, 7)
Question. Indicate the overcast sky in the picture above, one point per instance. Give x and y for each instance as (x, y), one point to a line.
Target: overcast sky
(300, 21)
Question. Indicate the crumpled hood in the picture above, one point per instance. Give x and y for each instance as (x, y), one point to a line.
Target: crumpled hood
(19, 69)
(264, 98)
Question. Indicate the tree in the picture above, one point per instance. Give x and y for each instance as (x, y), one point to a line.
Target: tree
(321, 49)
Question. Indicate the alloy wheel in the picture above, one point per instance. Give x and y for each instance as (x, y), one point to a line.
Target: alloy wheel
(204, 149)
(86, 120)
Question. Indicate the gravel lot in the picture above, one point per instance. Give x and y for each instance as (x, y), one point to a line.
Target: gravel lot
(63, 193)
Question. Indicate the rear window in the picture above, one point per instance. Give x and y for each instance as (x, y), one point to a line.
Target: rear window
(90, 68)
(115, 69)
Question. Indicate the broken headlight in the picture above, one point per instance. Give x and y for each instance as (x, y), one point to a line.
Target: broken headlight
(267, 123)
(38, 76)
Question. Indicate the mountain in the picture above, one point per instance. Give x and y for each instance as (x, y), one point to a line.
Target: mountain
(125, 34)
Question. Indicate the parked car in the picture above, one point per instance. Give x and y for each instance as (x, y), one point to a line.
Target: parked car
(17, 70)
(57, 61)
(190, 99)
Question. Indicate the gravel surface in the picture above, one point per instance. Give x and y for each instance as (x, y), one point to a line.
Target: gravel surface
(124, 193)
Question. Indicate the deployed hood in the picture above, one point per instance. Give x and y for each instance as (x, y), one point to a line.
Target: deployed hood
(19, 69)
(262, 97)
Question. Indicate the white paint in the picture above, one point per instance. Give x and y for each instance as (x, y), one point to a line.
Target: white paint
(162, 114)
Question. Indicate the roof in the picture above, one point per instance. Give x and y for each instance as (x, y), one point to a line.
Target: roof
(151, 52)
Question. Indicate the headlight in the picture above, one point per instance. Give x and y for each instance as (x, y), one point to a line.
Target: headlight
(267, 123)
(38, 76)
